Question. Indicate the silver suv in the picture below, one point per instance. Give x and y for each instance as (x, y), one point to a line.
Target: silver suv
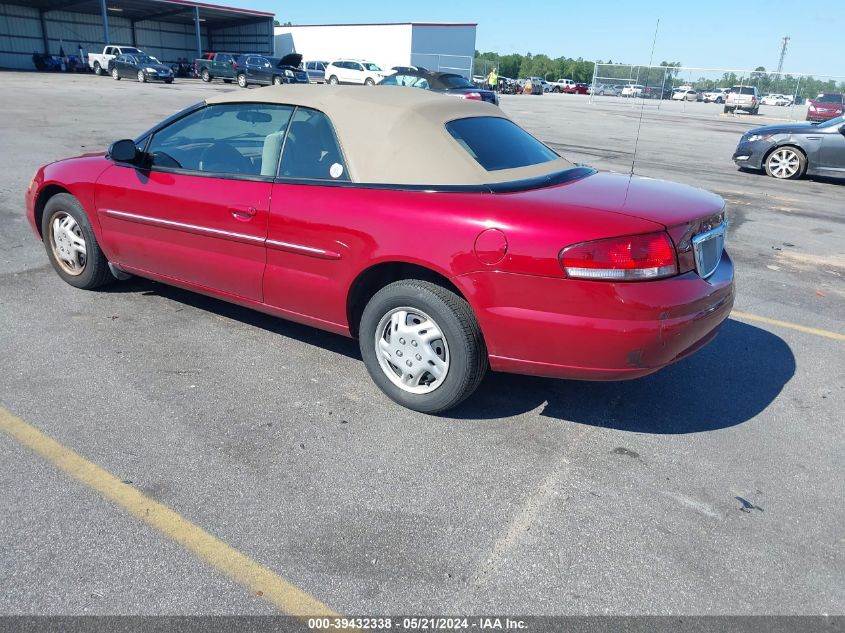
(743, 98)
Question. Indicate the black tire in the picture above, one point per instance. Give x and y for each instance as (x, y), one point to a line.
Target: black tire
(719, 100)
(242, 81)
(168, 81)
(115, 74)
(726, 110)
(467, 352)
(98, 70)
(333, 80)
(205, 75)
(369, 82)
(277, 81)
(96, 271)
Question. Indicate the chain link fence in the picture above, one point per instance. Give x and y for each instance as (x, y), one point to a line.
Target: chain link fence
(779, 95)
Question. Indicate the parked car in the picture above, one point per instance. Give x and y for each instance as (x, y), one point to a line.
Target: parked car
(577, 89)
(257, 69)
(353, 71)
(791, 150)
(561, 84)
(687, 94)
(632, 90)
(316, 71)
(656, 92)
(141, 67)
(531, 86)
(717, 95)
(605, 90)
(774, 100)
(216, 66)
(100, 63)
(742, 98)
(237, 199)
(826, 106)
(547, 87)
(446, 83)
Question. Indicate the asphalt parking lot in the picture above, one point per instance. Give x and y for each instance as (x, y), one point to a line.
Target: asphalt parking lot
(712, 487)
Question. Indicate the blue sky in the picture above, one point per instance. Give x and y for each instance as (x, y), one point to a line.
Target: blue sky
(704, 33)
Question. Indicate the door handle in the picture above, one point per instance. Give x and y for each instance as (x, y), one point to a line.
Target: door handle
(243, 213)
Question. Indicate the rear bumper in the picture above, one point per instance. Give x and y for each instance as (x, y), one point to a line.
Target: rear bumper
(566, 328)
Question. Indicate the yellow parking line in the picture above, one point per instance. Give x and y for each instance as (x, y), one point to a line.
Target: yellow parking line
(745, 316)
(258, 579)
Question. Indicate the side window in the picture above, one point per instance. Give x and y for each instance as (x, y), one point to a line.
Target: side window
(359, 67)
(227, 139)
(311, 149)
(109, 51)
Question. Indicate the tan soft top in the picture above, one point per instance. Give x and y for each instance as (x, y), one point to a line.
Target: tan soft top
(396, 135)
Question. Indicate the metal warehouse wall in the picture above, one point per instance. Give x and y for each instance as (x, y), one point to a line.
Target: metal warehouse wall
(165, 41)
(384, 44)
(20, 36)
(449, 48)
(247, 38)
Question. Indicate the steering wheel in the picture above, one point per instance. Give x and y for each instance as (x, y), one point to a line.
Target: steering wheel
(222, 158)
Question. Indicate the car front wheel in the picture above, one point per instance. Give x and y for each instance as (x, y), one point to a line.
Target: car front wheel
(786, 163)
(141, 77)
(71, 246)
(369, 82)
(277, 81)
(333, 80)
(242, 82)
(422, 345)
(205, 75)
(115, 75)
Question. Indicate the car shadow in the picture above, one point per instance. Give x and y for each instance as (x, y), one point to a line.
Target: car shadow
(327, 340)
(727, 383)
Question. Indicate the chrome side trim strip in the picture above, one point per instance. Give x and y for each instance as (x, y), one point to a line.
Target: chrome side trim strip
(188, 228)
(302, 250)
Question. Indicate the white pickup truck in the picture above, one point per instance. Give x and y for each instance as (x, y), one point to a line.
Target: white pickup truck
(99, 62)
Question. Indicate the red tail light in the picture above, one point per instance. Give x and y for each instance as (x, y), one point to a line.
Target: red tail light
(474, 96)
(649, 256)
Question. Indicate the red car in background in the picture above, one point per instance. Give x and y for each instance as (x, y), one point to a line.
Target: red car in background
(435, 230)
(826, 106)
(576, 89)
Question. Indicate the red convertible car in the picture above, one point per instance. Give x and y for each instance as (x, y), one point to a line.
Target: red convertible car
(435, 230)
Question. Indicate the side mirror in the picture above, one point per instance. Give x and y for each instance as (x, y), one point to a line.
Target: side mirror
(123, 151)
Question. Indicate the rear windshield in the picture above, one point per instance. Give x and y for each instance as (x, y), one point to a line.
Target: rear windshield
(498, 143)
(454, 81)
(743, 90)
(834, 98)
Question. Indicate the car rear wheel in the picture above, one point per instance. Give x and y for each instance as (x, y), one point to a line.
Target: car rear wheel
(142, 78)
(98, 70)
(785, 163)
(71, 245)
(242, 82)
(333, 80)
(115, 75)
(277, 81)
(422, 345)
(205, 75)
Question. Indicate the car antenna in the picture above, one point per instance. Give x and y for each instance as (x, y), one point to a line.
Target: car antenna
(642, 106)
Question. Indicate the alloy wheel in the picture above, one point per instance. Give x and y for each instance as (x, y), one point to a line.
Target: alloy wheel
(784, 163)
(141, 77)
(68, 243)
(412, 350)
(242, 81)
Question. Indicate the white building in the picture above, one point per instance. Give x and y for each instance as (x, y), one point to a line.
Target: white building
(444, 47)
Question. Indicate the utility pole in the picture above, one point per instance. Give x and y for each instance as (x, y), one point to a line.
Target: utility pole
(785, 41)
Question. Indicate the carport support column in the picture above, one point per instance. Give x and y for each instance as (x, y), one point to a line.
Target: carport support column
(44, 39)
(105, 15)
(197, 31)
